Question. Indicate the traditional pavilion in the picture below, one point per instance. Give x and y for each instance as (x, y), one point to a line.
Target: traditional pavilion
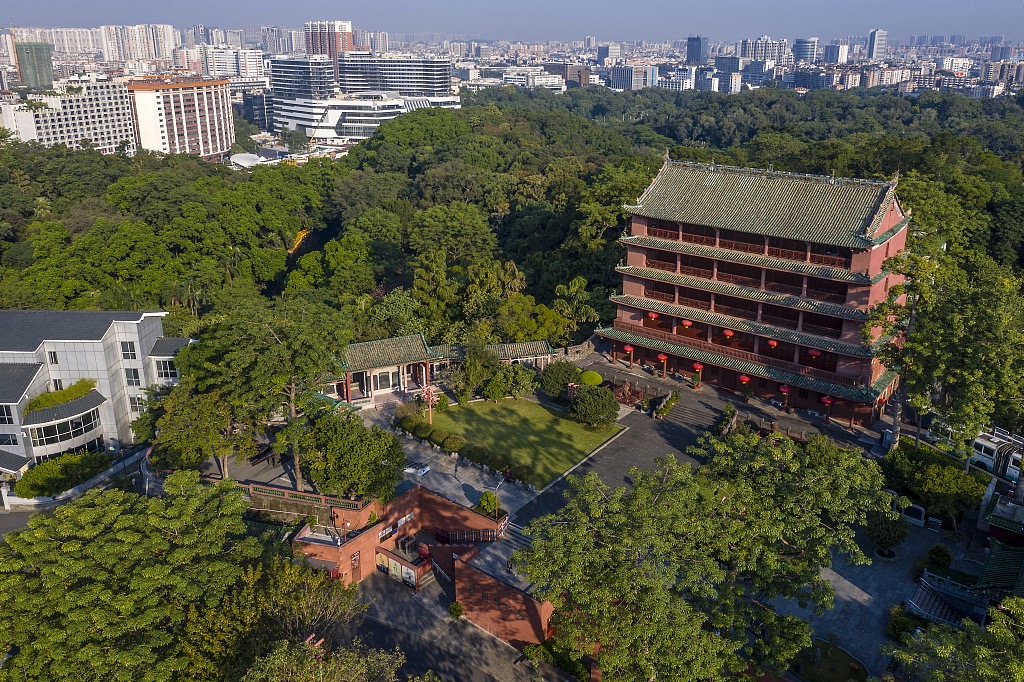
(760, 281)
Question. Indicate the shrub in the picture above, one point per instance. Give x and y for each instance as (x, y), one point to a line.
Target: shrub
(591, 378)
(522, 473)
(413, 408)
(489, 503)
(454, 443)
(477, 454)
(410, 422)
(56, 475)
(919, 566)
(438, 437)
(666, 405)
(902, 624)
(939, 555)
(726, 419)
(932, 479)
(455, 609)
(594, 406)
(423, 430)
(499, 461)
(557, 376)
(77, 390)
(442, 403)
(522, 381)
(498, 385)
(564, 659)
(887, 532)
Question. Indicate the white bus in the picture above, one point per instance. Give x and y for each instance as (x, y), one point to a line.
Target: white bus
(999, 452)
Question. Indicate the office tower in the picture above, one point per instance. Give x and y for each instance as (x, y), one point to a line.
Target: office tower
(589, 43)
(331, 38)
(608, 53)
(633, 77)
(144, 41)
(764, 48)
(1002, 52)
(570, 73)
(697, 51)
(87, 107)
(217, 36)
(405, 75)
(483, 52)
(958, 39)
(837, 54)
(877, 44)
(35, 65)
(805, 50)
(306, 77)
(729, 64)
(183, 116)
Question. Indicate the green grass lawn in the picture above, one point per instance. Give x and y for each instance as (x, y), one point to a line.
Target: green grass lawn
(545, 439)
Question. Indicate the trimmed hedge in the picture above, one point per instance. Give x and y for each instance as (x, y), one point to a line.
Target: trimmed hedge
(56, 475)
(438, 437)
(477, 454)
(409, 423)
(423, 430)
(591, 378)
(454, 443)
(77, 390)
(522, 473)
(499, 461)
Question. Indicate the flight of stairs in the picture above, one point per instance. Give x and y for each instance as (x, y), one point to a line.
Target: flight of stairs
(930, 604)
(515, 536)
(689, 412)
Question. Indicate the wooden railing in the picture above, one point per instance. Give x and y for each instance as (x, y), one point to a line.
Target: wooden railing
(780, 288)
(695, 272)
(833, 261)
(829, 296)
(822, 331)
(661, 265)
(742, 313)
(659, 295)
(746, 247)
(777, 321)
(745, 356)
(742, 280)
(662, 234)
(695, 303)
(696, 238)
(288, 494)
(788, 254)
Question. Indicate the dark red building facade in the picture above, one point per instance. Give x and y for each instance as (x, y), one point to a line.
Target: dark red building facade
(763, 279)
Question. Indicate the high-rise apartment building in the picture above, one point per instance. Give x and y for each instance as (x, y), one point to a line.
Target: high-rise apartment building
(305, 77)
(805, 50)
(88, 107)
(35, 64)
(836, 54)
(183, 116)
(236, 38)
(877, 44)
(405, 75)
(374, 41)
(697, 51)
(633, 77)
(144, 41)
(64, 40)
(760, 280)
(230, 62)
(331, 38)
(589, 42)
(608, 54)
(766, 49)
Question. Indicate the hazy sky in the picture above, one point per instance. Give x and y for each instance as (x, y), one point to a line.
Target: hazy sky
(553, 19)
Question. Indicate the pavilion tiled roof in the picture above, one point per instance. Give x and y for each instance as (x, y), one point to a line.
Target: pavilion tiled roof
(1004, 570)
(729, 322)
(504, 351)
(860, 395)
(832, 309)
(398, 350)
(824, 210)
(758, 260)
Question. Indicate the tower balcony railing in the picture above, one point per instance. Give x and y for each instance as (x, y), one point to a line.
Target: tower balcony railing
(829, 296)
(742, 280)
(702, 239)
(736, 353)
(695, 272)
(695, 303)
(746, 247)
(780, 288)
(661, 265)
(742, 313)
(659, 295)
(777, 321)
(833, 261)
(788, 254)
(819, 330)
(662, 234)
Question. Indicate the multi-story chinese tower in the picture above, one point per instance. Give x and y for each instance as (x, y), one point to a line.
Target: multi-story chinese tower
(763, 279)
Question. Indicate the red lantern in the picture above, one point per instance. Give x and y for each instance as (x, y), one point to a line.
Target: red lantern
(628, 348)
(652, 316)
(744, 379)
(784, 389)
(662, 357)
(772, 343)
(687, 323)
(814, 352)
(697, 367)
(826, 400)
(728, 333)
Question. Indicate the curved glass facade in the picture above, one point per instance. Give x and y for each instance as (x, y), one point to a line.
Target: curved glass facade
(63, 431)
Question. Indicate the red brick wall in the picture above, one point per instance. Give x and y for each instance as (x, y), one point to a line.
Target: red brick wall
(505, 612)
(438, 512)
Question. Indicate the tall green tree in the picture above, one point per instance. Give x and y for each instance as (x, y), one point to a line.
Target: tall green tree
(301, 662)
(699, 557)
(574, 303)
(101, 589)
(347, 457)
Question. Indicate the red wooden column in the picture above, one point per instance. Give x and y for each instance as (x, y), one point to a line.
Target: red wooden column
(348, 387)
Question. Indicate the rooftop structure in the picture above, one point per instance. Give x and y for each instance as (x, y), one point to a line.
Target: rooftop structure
(183, 116)
(761, 281)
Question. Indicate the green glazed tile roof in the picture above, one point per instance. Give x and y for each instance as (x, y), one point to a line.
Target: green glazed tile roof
(823, 271)
(1003, 513)
(1004, 569)
(860, 395)
(815, 208)
(398, 350)
(844, 311)
(504, 351)
(729, 322)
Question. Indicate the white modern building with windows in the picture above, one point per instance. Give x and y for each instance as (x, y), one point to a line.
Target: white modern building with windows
(45, 350)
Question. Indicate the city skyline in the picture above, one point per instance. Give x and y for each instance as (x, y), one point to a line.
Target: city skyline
(653, 20)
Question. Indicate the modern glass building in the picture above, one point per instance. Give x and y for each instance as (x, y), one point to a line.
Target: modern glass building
(35, 64)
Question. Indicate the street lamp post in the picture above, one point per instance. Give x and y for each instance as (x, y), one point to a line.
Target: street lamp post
(827, 401)
(629, 349)
(664, 365)
(784, 390)
(697, 367)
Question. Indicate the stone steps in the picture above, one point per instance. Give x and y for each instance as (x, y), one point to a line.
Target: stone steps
(928, 603)
(516, 537)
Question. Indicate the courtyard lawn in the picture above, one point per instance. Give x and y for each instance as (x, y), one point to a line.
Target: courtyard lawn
(540, 437)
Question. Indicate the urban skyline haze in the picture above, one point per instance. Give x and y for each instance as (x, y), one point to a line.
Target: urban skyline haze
(655, 20)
